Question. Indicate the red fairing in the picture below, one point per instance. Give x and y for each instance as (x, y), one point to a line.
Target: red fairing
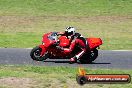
(44, 37)
(45, 40)
(43, 49)
(94, 42)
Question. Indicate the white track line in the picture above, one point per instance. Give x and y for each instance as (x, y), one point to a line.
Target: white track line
(120, 50)
(28, 48)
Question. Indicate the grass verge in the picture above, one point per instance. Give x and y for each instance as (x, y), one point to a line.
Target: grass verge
(25, 32)
(22, 22)
(65, 7)
(49, 77)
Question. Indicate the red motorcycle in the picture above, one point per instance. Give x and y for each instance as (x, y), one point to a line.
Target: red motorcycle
(50, 41)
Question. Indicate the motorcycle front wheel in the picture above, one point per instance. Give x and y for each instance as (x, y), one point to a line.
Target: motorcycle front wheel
(35, 54)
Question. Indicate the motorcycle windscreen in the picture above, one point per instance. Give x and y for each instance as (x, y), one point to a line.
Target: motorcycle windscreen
(46, 40)
(64, 42)
(94, 42)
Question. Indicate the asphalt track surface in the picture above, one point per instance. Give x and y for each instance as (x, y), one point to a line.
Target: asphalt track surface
(106, 59)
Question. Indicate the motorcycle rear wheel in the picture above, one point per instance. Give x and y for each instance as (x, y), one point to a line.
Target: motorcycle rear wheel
(35, 54)
(88, 57)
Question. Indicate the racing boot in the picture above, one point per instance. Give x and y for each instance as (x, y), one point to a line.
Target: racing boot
(73, 59)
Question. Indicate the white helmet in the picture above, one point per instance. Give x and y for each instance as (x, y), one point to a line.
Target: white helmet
(70, 31)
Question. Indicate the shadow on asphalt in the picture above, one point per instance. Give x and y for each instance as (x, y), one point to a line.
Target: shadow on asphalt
(58, 61)
(79, 63)
(99, 63)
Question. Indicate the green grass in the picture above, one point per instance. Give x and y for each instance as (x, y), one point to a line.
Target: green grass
(19, 40)
(22, 22)
(65, 7)
(115, 32)
(61, 77)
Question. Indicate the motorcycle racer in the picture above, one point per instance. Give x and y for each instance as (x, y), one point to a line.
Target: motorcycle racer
(70, 45)
(75, 39)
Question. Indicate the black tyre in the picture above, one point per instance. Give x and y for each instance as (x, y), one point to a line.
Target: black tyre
(35, 54)
(89, 57)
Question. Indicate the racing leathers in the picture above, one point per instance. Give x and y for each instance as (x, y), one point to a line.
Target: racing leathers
(81, 42)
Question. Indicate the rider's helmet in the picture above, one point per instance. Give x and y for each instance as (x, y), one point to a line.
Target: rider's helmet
(70, 31)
